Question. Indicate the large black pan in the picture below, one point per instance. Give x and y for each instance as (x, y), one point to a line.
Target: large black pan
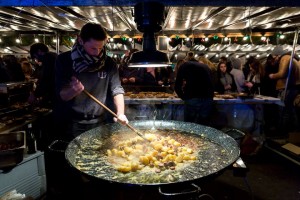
(92, 163)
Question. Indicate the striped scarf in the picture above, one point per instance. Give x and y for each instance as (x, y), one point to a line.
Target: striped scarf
(83, 62)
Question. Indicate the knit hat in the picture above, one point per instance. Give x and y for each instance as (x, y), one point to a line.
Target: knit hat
(278, 51)
(236, 63)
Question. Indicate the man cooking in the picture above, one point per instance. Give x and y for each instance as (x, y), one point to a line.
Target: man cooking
(86, 67)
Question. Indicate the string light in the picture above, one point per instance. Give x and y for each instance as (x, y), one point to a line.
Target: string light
(245, 37)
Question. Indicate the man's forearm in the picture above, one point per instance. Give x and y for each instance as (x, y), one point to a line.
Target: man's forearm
(119, 104)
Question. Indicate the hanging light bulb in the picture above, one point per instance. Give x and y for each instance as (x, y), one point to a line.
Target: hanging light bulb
(54, 40)
(130, 39)
(237, 56)
(36, 40)
(263, 38)
(111, 39)
(187, 39)
(115, 56)
(226, 55)
(73, 40)
(18, 40)
(282, 36)
(206, 39)
(226, 39)
(247, 56)
(0, 40)
(217, 55)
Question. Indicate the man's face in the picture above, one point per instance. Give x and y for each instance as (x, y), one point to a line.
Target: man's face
(93, 47)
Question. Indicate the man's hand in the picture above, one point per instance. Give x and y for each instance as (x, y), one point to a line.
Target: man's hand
(73, 89)
(122, 119)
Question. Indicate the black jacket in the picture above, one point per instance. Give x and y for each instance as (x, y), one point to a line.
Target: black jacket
(194, 81)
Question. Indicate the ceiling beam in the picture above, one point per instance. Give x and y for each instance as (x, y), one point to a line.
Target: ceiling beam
(123, 16)
(213, 14)
(133, 2)
(266, 11)
(29, 18)
(74, 13)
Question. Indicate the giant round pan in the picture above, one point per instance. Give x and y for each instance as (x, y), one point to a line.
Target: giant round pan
(86, 154)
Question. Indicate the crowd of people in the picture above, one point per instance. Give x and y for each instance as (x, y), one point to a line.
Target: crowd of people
(54, 82)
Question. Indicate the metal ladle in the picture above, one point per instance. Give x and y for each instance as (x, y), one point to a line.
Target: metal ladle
(114, 114)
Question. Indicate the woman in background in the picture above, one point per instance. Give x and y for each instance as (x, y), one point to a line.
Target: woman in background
(253, 80)
(225, 83)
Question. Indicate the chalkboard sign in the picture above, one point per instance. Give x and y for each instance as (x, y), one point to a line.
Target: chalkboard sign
(163, 43)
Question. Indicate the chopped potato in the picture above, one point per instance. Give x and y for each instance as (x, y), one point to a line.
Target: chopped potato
(164, 153)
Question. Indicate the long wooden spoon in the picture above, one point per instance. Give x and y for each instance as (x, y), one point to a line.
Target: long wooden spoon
(114, 114)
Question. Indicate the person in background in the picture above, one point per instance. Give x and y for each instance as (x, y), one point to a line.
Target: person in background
(44, 94)
(195, 87)
(212, 67)
(177, 66)
(246, 69)
(226, 83)
(253, 81)
(289, 120)
(268, 86)
(27, 70)
(190, 56)
(237, 73)
(155, 76)
(126, 72)
(11, 69)
(86, 67)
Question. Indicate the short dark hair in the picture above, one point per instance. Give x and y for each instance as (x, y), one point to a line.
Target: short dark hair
(35, 48)
(92, 31)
